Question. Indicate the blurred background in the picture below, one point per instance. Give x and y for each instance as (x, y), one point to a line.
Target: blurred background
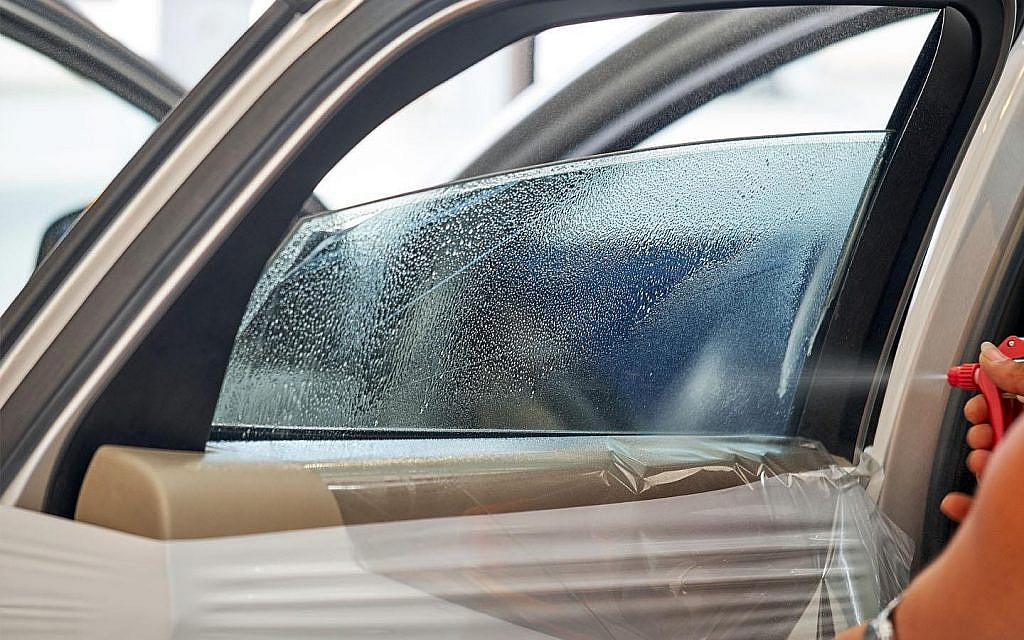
(65, 138)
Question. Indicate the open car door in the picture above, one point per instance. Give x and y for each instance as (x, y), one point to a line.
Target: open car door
(591, 398)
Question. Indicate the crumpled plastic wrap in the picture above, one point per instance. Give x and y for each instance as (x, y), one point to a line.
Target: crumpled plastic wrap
(387, 480)
(776, 553)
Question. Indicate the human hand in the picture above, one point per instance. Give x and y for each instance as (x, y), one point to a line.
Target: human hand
(1008, 376)
(975, 587)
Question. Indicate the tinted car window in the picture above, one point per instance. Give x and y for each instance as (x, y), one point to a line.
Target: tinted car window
(668, 290)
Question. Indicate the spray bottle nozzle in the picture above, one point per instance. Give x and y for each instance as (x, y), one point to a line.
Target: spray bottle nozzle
(1001, 411)
(964, 376)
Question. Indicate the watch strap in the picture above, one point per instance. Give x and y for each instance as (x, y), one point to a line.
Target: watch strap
(881, 627)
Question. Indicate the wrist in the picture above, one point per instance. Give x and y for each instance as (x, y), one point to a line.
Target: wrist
(883, 626)
(937, 607)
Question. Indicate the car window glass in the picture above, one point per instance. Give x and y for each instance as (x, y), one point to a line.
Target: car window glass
(64, 139)
(630, 292)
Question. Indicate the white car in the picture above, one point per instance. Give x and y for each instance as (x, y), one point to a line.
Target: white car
(615, 390)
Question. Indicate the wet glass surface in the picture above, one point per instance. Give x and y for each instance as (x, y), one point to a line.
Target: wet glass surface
(671, 290)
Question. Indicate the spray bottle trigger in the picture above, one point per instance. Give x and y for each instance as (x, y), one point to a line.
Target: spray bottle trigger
(1013, 347)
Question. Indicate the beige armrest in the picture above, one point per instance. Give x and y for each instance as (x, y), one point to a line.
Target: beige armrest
(177, 494)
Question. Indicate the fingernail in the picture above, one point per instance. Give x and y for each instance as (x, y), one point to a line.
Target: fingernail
(991, 353)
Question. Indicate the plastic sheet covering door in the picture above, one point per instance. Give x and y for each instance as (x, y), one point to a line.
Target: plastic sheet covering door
(415, 479)
(792, 556)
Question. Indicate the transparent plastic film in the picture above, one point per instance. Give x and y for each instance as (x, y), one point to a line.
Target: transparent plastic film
(792, 556)
(733, 538)
(388, 480)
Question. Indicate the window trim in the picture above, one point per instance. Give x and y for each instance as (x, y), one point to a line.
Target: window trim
(860, 331)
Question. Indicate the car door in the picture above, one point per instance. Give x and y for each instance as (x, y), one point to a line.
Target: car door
(136, 354)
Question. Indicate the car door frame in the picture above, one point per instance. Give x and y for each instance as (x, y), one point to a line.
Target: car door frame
(969, 289)
(136, 355)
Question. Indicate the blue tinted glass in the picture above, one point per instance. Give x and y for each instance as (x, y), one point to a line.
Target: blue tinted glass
(670, 290)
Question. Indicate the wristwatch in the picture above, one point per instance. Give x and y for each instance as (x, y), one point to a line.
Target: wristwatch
(882, 628)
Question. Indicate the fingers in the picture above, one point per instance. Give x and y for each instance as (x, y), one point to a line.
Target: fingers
(977, 461)
(980, 436)
(976, 410)
(956, 506)
(1007, 374)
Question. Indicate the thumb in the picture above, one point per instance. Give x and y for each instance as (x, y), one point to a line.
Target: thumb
(1007, 374)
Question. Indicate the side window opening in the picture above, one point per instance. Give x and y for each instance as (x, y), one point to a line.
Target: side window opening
(667, 290)
(847, 86)
(851, 85)
(675, 289)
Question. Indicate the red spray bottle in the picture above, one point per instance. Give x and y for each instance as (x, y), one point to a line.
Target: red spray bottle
(1002, 408)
